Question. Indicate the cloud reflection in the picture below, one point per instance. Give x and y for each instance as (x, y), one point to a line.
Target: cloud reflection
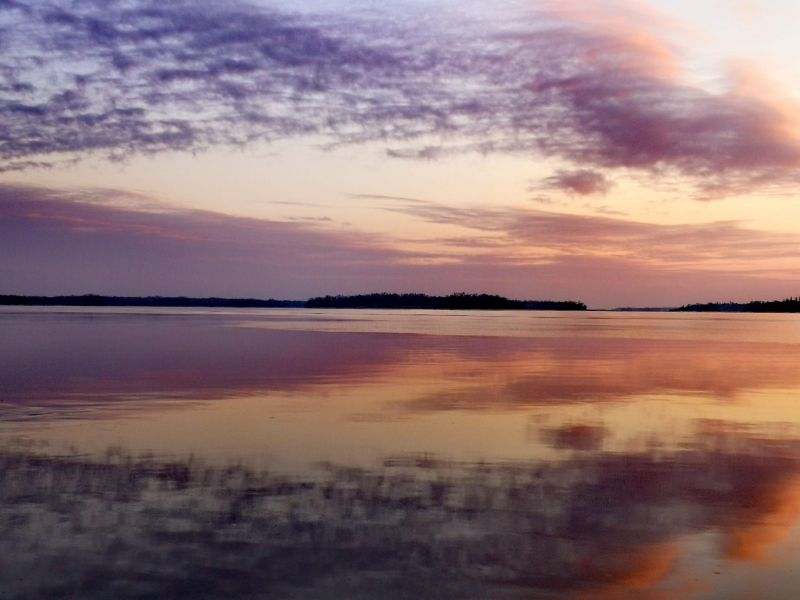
(602, 526)
(97, 360)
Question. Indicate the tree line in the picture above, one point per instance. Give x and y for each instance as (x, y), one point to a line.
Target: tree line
(787, 305)
(146, 301)
(459, 301)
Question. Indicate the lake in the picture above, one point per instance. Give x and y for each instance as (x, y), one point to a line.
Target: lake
(294, 453)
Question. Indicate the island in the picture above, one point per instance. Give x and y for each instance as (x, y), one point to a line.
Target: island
(459, 301)
(788, 305)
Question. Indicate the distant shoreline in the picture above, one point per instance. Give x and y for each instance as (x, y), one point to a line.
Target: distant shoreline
(788, 305)
(363, 301)
(147, 301)
(385, 301)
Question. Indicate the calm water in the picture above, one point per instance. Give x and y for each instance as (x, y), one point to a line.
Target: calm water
(379, 454)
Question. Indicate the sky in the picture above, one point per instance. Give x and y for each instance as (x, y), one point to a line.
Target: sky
(617, 152)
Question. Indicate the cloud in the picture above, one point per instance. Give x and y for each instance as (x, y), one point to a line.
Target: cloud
(122, 77)
(724, 244)
(582, 182)
(105, 240)
(56, 241)
(602, 88)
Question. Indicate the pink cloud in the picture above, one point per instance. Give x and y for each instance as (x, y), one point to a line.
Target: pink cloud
(53, 242)
(723, 243)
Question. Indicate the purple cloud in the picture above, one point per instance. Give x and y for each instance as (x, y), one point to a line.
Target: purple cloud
(77, 240)
(118, 78)
(106, 241)
(582, 182)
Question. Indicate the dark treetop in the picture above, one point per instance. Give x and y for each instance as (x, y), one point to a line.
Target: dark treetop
(451, 302)
(789, 305)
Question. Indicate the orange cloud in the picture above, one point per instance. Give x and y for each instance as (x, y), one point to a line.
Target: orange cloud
(630, 33)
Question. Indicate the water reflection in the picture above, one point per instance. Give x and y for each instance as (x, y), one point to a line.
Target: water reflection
(603, 525)
(263, 458)
(76, 361)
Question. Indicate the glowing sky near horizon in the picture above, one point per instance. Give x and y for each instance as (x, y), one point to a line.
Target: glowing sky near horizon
(616, 152)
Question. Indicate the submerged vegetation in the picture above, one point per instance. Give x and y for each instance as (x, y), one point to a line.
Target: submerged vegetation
(383, 300)
(788, 305)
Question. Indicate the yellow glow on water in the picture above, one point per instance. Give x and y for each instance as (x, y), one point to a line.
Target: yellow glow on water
(473, 396)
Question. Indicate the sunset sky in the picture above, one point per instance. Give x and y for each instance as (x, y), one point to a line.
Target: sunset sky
(622, 153)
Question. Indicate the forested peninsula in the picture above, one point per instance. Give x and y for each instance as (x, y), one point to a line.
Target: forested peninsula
(381, 300)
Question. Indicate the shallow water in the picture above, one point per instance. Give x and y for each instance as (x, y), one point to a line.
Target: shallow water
(411, 454)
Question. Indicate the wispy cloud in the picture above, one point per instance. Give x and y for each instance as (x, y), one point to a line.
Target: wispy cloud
(79, 240)
(145, 76)
(562, 80)
(721, 243)
(56, 241)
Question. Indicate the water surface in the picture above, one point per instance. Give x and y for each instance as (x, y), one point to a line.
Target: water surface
(361, 454)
